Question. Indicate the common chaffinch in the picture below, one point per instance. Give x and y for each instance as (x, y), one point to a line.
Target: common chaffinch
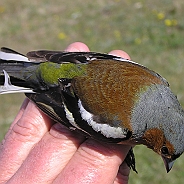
(102, 96)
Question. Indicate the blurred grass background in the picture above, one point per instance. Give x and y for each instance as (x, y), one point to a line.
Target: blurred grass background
(152, 32)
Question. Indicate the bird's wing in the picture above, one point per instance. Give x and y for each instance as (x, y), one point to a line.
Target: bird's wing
(70, 57)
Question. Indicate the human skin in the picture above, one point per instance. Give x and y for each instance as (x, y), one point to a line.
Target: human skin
(38, 150)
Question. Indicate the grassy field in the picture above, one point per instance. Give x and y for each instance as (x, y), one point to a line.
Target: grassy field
(152, 32)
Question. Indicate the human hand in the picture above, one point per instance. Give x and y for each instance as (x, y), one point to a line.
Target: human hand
(37, 150)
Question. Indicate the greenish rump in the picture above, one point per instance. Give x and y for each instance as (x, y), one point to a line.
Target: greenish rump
(50, 72)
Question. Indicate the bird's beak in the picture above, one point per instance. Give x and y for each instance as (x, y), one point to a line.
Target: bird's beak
(168, 163)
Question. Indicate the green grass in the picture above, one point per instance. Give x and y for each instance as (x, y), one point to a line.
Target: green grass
(150, 31)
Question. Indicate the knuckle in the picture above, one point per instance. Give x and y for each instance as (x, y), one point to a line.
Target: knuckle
(26, 129)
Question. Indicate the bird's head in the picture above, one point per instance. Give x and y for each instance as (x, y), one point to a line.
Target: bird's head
(159, 120)
(156, 140)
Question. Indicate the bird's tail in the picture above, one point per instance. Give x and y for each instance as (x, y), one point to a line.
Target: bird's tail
(14, 72)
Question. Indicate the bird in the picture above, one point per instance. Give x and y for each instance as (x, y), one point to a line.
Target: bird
(101, 96)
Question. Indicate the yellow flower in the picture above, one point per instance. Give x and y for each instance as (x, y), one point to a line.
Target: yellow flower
(2, 9)
(137, 41)
(174, 22)
(168, 22)
(117, 34)
(160, 16)
(62, 36)
(154, 11)
(171, 22)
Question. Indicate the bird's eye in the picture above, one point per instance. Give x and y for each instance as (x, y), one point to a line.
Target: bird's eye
(165, 150)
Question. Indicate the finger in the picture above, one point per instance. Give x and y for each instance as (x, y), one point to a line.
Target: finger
(120, 53)
(94, 162)
(51, 154)
(123, 174)
(28, 130)
(21, 111)
(77, 47)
